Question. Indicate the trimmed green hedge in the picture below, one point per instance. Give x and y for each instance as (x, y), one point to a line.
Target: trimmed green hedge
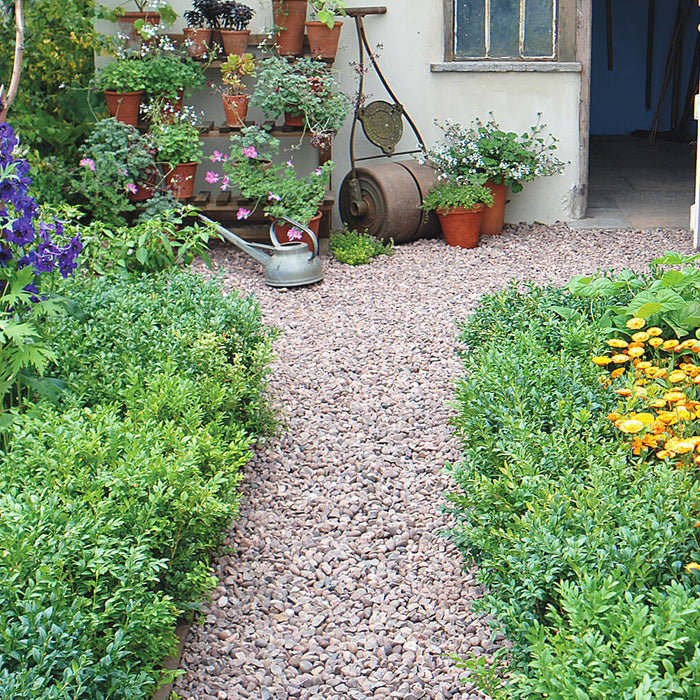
(114, 497)
(582, 550)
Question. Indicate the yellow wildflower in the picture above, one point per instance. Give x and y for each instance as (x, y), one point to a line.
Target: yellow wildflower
(667, 417)
(617, 343)
(670, 344)
(618, 373)
(623, 391)
(646, 418)
(644, 365)
(629, 425)
(654, 331)
(635, 323)
(640, 391)
(663, 454)
(601, 361)
(677, 375)
(619, 359)
(655, 342)
(614, 416)
(641, 337)
(657, 403)
(673, 396)
(635, 352)
(683, 413)
(693, 566)
(679, 446)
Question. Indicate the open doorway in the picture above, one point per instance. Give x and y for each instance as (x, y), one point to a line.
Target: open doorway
(644, 75)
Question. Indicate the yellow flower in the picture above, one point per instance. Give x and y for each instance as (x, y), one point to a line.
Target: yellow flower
(618, 373)
(679, 446)
(641, 337)
(620, 359)
(646, 418)
(674, 396)
(617, 343)
(623, 391)
(614, 416)
(654, 331)
(640, 391)
(655, 342)
(601, 360)
(669, 344)
(663, 454)
(693, 566)
(635, 323)
(635, 352)
(644, 365)
(683, 413)
(657, 403)
(667, 417)
(677, 375)
(629, 425)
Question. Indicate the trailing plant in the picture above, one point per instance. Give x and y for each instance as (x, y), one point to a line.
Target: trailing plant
(174, 136)
(305, 87)
(357, 248)
(484, 151)
(451, 195)
(115, 160)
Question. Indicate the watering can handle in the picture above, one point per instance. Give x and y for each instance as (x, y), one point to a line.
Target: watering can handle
(276, 243)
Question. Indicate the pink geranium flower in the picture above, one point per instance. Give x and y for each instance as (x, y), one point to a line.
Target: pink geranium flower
(318, 172)
(131, 187)
(225, 182)
(273, 197)
(211, 177)
(217, 157)
(294, 234)
(89, 162)
(243, 213)
(250, 152)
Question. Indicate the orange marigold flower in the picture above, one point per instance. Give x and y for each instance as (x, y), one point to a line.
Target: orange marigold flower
(683, 413)
(617, 343)
(697, 524)
(644, 365)
(646, 418)
(693, 566)
(635, 323)
(623, 391)
(654, 330)
(651, 440)
(663, 454)
(675, 376)
(601, 360)
(618, 373)
(614, 416)
(679, 446)
(640, 391)
(619, 359)
(667, 417)
(673, 396)
(635, 352)
(629, 425)
(641, 337)
(670, 344)
(637, 446)
(657, 403)
(655, 342)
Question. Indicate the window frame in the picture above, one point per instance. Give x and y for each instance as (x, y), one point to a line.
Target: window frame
(564, 31)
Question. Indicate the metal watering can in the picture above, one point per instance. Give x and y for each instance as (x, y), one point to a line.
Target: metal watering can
(286, 265)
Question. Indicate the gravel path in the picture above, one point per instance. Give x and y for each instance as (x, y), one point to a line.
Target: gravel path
(337, 584)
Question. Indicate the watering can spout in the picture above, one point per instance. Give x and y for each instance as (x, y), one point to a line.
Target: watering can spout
(256, 253)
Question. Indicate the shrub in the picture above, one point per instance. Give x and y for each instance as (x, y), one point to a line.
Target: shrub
(582, 547)
(354, 248)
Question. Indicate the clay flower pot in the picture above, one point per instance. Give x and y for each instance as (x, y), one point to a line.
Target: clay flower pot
(494, 216)
(235, 109)
(285, 234)
(126, 27)
(293, 121)
(180, 180)
(323, 42)
(234, 42)
(461, 226)
(124, 106)
(197, 41)
(289, 16)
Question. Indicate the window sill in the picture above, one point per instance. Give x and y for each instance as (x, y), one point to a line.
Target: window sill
(506, 67)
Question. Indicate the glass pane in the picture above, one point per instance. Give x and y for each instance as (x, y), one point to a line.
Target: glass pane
(505, 33)
(470, 14)
(539, 34)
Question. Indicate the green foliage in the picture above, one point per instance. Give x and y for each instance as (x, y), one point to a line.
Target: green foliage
(581, 548)
(355, 248)
(669, 298)
(126, 74)
(53, 109)
(158, 242)
(176, 143)
(450, 195)
(114, 497)
(168, 73)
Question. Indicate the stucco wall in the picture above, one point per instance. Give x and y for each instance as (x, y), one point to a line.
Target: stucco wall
(410, 36)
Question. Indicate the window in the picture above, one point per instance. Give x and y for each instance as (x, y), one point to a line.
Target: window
(505, 29)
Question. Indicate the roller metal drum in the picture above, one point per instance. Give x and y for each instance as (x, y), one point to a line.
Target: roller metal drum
(385, 199)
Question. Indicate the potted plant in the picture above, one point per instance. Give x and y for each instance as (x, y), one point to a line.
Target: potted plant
(305, 92)
(276, 188)
(178, 150)
(459, 207)
(169, 74)
(324, 31)
(123, 82)
(117, 166)
(234, 18)
(141, 22)
(235, 97)
(201, 22)
(486, 154)
(288, 17)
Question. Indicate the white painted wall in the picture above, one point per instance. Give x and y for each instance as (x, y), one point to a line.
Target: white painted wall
(411, 38)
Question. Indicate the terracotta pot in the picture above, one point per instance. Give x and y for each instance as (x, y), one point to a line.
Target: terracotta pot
(323, 41)
(145, 189)
(235, 109)
(180, 180)
(234, 42)
(294, 121)
(283, 230)
(492, 221)
(290, 16)
(124, 106)
(171, 108)
(197, 41)
(460, 226)
(126, 27)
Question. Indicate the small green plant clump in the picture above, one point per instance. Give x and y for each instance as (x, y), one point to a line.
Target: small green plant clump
(357, 248)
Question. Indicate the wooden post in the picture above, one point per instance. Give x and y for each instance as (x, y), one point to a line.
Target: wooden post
(584, 14)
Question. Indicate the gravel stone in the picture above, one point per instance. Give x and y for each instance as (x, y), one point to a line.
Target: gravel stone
(338, 586)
